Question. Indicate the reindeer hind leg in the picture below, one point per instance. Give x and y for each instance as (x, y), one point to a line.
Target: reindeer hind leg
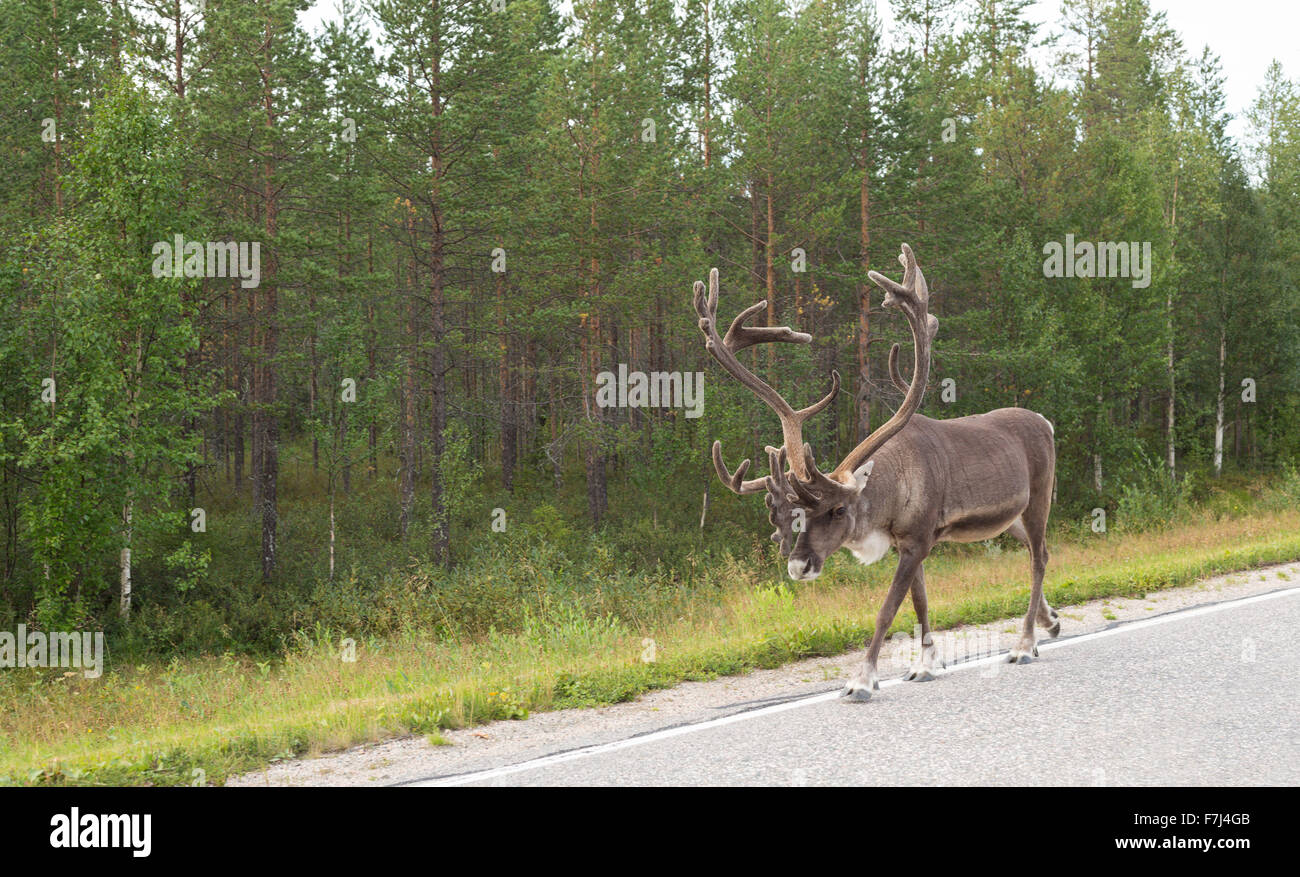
(1046, 615)
(1034, 527)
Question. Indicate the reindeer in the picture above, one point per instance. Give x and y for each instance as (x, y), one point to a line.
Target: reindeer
(911, 483)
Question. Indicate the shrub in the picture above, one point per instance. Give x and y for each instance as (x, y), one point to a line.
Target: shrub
(1152, 500)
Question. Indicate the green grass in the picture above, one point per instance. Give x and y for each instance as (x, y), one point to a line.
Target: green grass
(203, 719)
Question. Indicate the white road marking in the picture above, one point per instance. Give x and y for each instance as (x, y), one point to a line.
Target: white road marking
(680, 730)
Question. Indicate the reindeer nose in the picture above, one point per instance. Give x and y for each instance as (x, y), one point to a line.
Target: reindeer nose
(798, 570)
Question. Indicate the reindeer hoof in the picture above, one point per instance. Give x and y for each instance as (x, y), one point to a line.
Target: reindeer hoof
(920, 674)
(859, 691)
(1055, 629)
(1019, 656)
(856, 695)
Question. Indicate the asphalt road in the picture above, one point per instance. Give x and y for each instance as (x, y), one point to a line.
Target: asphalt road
(1205, 696)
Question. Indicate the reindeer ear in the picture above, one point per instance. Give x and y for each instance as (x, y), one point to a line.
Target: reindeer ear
(862, 473)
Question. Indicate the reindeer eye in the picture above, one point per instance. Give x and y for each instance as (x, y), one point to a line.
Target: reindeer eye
(838, 513)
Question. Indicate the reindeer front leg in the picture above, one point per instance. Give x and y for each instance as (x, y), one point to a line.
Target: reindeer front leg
(925, 668)
(865, 681)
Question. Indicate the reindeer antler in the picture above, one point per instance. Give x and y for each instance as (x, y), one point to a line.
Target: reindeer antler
(724, 350)
(894, 375)
(912, 297)
(735, 482)
(780, 500)
(816, 488)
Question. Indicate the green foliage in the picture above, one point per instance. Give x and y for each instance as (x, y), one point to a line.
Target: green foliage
(105, 438)
(458, 469)
(1284, 491)
(187, 566)
(1152, 499)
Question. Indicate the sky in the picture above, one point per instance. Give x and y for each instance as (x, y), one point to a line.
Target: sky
(1246, 35)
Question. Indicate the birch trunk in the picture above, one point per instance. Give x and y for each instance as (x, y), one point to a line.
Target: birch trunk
(1218, 408)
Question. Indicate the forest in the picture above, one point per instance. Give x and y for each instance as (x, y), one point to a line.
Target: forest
(387, 323)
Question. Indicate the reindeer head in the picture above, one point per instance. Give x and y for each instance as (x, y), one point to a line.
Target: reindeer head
(815, 514)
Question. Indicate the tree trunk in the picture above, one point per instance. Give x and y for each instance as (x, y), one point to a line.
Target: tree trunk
(1218, 408)
(406, 480)
(770, 273)
(864, 306)
(313, 386)
(1096, 455)
(437, 282)
(265, 422)
(597, 489)
(509, 436)
(372, 439)
(704, 509)
(706, 130)
(331, 529)
(554, 453)
(1171, 459)
(124, 602)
